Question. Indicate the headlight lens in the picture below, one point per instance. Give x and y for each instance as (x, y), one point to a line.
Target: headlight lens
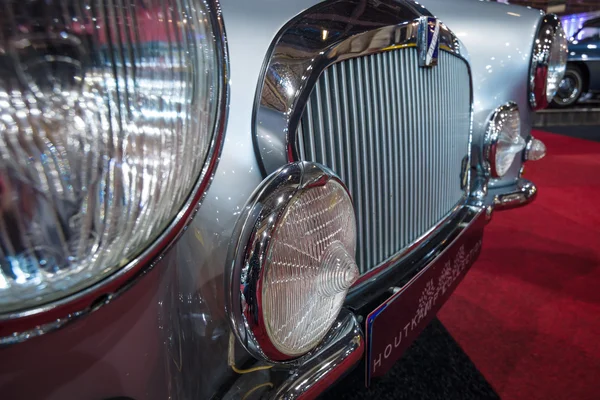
(549, 61)
(310, 266)
(107, 117)
(503, 139)
(299, 263)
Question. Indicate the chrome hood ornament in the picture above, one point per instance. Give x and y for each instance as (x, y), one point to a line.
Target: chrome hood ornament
(428, 41)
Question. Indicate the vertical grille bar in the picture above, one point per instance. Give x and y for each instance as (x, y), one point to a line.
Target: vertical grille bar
(396, 134)
(380, 152)
(366, 157)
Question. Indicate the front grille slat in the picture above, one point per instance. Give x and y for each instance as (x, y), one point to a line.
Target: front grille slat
(354, 130)
(390, 133)
(330, 116)
(310, 150)
(321, 124)
(396, 134)
(418, 175)
(347, 138)
(367, 141)
(300, 139)
(376, 156)
(395, 180)
(403, 149)
(412, 135)
(339, 142)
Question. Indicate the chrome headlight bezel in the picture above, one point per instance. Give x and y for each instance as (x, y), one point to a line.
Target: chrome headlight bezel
(20, 325)
(249, 249)
(493, 135)
(544, 61)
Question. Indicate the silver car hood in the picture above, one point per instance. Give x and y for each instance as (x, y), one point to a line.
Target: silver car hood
(500, 40)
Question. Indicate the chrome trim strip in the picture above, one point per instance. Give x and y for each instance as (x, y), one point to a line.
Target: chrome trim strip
(330, 32)
(19, 326)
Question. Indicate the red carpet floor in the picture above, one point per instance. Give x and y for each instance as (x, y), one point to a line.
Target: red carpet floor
(528, 313)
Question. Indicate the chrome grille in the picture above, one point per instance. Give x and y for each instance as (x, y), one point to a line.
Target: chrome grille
(398, 135)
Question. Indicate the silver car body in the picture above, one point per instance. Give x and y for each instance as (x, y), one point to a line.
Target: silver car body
(500, 62)
(168, 335)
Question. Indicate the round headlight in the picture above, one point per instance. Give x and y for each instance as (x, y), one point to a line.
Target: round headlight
(108, 130)
(548, 63)
(293, 262)
(503, 139)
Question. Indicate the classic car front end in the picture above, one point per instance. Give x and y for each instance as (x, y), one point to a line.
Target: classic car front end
(236, 200)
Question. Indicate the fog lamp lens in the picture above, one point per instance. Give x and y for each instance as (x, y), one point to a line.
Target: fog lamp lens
(535, 150)
(298, 263)
(504, 139)
(309, 268)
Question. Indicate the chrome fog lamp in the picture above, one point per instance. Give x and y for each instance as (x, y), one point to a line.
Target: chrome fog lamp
(548, 62)
(292, 262)
(503, 139)
(535, 150)
(108, 135)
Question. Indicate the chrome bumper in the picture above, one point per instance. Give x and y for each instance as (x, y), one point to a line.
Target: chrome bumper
(342, 350)
(339, 352)
(519, 194)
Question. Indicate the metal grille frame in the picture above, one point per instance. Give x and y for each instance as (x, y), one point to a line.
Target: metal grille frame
(310, 44)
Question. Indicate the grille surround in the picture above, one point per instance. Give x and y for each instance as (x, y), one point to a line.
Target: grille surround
(303, 50)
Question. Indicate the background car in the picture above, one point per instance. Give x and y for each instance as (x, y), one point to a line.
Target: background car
(583, 67)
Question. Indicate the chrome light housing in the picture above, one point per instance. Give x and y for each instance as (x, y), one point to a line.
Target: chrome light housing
(292, 262)
(535, 149)
(548, 62)
(110, 125)
(503, 139)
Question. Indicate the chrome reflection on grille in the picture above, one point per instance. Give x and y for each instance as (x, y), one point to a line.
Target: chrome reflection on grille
(397, 135)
